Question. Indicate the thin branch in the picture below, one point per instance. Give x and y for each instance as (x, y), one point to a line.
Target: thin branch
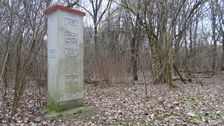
(86, 10)
(73, 4)
(101, 16)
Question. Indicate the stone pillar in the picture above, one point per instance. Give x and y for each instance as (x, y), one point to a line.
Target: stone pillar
(65, 54)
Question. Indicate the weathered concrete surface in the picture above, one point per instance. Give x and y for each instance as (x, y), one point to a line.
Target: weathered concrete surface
(65, 57)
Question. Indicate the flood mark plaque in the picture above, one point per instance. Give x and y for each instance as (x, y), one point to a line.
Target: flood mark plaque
(71, 21)
(52, 53)
(71, 37)
(71, 52)
(71, 79)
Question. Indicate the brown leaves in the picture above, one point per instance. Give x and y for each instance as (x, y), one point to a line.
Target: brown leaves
(192, 104)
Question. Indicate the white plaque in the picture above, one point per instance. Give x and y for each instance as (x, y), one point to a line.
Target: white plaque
(71, 37)
(70, 21)
(71, 52)
(71, 79)
(52, 53)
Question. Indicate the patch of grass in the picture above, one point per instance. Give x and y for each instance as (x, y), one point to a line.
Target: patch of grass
(194, 100)
(216, 114)
(196, 117)
(200, 116)
(170, 113)
(131, 122)
(197, 98)
(156, 113)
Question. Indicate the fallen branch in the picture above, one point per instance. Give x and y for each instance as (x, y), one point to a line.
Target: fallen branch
(182, 79)
(95, 82)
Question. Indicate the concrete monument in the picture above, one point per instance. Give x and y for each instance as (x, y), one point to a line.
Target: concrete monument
(65, 54)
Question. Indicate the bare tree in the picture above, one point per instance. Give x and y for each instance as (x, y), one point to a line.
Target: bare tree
(220, 8)
(136, 37)
(23, 31)
(97, 12)
(214, 37)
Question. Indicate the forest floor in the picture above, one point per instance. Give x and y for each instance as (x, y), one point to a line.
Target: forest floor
(200, 102)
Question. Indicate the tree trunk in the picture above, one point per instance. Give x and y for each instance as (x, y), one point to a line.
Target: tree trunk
(177, 55)
(96, 43)
(186, 62)
(214, 55)
(134, 61)
(170, 71)
(96, 49)
(195, 41)
(135, 48)
(222, 53)
(191, 65)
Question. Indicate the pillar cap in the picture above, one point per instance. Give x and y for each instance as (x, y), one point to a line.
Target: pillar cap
(51, 9)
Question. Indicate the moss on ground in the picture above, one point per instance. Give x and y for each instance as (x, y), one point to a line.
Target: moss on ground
(66, 109)
(58, 107)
